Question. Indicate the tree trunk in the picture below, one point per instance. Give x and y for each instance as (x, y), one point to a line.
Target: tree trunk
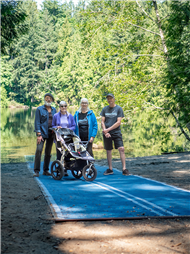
(160, 28)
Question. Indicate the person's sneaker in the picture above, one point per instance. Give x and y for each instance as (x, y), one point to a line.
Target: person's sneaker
(46, 173)
(108, 172)
(126, 172)
(36, 174)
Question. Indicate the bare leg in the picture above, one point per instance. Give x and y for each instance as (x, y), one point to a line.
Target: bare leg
(122, 156)
(109, 158)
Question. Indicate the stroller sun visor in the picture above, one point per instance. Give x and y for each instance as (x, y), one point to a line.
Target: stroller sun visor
(67, 133)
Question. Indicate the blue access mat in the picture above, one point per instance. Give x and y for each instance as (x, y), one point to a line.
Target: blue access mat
(112, 197)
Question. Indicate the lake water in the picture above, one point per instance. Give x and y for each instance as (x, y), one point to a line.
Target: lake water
(143, 135)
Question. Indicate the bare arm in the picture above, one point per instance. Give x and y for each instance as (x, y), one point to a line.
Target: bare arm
(114, 126)
(107, 135)
(103, 123)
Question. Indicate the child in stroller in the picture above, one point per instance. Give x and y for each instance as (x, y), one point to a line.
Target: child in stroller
(74, 156)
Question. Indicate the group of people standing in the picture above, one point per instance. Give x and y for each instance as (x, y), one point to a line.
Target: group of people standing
(84, 124)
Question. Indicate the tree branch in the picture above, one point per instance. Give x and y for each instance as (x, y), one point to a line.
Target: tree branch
(94, 33)
(155, 106)
(165, 17)
(144, 11)
(142, 28)
(98, 81)
(181, 128)
(160, 28)
(143, 55)
(178, 123)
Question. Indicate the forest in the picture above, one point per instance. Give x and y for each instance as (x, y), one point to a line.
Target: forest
(138, 50)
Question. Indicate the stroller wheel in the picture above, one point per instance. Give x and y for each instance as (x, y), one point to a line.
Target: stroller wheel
(76, 173)
(57, 170)
(89, 172)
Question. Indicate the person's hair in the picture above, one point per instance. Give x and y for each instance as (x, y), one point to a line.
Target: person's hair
(62, 103)
(83, 100)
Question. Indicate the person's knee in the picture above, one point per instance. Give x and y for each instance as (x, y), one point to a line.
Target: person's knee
(121, 149)
(47, 155)
(39, 148)
(108, 151)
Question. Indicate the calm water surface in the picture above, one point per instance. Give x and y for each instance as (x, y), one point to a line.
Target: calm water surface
(18, 138)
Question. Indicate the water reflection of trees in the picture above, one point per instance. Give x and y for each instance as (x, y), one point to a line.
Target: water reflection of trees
(17, 134)
(17, 122)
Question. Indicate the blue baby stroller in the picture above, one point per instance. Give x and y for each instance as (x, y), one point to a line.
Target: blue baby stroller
(74, 156)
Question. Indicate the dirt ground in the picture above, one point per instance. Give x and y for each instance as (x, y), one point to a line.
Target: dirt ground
(28, 226)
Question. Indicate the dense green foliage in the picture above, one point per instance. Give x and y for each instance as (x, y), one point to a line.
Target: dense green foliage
(4, 100)
(178, 74)
(139, 50)
(12, 22)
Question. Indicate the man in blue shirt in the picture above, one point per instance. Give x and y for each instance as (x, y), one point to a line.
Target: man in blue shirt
(43, 121)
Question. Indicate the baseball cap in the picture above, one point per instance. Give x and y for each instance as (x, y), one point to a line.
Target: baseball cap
(110, 94)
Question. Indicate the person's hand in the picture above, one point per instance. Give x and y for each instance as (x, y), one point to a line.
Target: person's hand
(39, 139)
(91, 140)
(107, 135)
(59, 127)
(105, 131)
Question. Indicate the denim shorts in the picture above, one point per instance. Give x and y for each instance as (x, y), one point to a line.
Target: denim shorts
(116, 138)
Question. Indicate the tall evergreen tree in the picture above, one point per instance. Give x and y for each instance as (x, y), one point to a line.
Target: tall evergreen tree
(45, 53)
(12, 22)
(26, 71)
(54, 8)
(34, 71)
(77, 68)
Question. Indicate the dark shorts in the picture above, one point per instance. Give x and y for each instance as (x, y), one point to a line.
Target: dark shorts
(117, 139)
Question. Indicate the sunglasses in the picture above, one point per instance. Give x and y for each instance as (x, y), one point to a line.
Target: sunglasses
(63, 106)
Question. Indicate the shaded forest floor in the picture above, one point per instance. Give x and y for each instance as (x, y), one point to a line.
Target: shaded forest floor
(28, 227)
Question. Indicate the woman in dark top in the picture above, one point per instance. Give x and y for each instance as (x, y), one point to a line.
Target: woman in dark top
(86, 124)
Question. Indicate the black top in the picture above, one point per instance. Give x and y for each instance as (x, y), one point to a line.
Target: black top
(50, 124)
(50, 120)
(83, 126)
(111, 115)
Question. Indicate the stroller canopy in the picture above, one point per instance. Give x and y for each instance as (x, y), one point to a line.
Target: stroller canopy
(66, 132)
